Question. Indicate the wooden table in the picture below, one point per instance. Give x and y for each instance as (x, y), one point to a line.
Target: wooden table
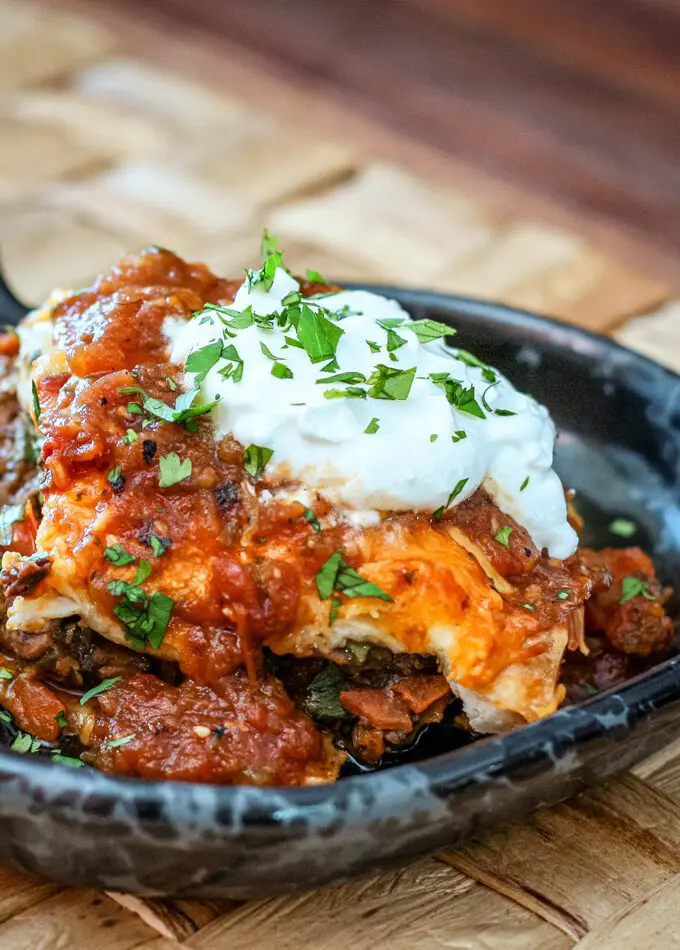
(104, 148)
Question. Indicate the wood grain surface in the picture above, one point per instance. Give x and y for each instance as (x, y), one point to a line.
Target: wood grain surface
(105, 146)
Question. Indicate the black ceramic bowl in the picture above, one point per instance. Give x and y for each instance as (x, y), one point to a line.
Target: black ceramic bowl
(619, 446)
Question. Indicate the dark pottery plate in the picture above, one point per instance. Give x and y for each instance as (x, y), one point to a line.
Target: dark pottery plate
(619, 446)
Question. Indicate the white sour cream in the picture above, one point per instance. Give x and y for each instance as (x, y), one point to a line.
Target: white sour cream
(412, 461)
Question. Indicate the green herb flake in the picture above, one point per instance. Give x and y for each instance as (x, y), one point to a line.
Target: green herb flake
(459, 435)
(201, 361)
(633, 586)
(434, 437)
(68, 760)
(530, 607)
(318, 335)
(26, 743)
(389, 382)
(310, 517)
(9, 516)
(98, 690)
(118, 556)
(623, 527)
(267, 352)
(337, 575)
(281, 371)
(372, 426)
(61, 719)
(373, 347)
(116, 478)
(36, 401)
(429, 330)
(6, 674)
(255, 459)
(503, 536)
(268, 245)
(315, 277)
(438, 514)
(173, 470)
(158, 545)
(130, 437)
(562, 594)
(117, 743)
(525, 483)
(348, 377)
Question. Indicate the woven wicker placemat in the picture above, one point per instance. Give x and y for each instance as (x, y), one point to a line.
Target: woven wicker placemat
(103, 151)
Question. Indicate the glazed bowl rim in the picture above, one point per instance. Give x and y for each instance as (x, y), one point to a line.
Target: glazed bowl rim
(638, 695)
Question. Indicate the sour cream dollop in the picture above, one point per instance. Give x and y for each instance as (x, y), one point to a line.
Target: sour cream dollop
(377, 454)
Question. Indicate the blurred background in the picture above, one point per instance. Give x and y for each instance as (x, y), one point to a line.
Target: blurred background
(523, 150)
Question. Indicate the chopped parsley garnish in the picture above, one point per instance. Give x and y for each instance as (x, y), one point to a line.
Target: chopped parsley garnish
(531, 607)
(352, 392)
(201, 361)
(130, 437)
(267, 352)
(434, 437)
(145, 616)
(116, 743)
(438, 514)
(322, 699)
(633, 586)
(234, 369)
(503, 536)
(9, 515)
(255, 459)
(264, 277)
(61, 759)
(342, 378)
(61, 719)
(99, 689)
(372, 426)
(373, 347)
(36, 401)
(525, 483)
(159, 545)
(173, 470)
(471, 360)
(118, 556)
(116, 478)
(6, 674)
(458, 396)
(389, 382)
(459, 435)
(26, 743)
(562, 594)
(281, 371)
(171, 383)
(429, 330)
(337, 576)
(184, 410)
(135, 409)
(394, 341)
(318, 335)
(315, 277)
(623, 527)
(314, 522)
(504, 412)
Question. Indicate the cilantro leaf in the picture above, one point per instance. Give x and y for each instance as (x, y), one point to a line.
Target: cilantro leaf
(503, 535)
(36, 401)
(389, 382)
(437, 515)
(116, 743)
(310, 517)
(633, 586)
(281, 371)
(173, 470)
(348, 377)
(337, 575)
(118, 556)
(6, 674)
(268, 245)
(255, 459)
(429, 330)
(159, 545)
(99, 689)
(315, 277)
(116, 478)
(318, 335)
(525, 483)
(201, 361)
(372, 426)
